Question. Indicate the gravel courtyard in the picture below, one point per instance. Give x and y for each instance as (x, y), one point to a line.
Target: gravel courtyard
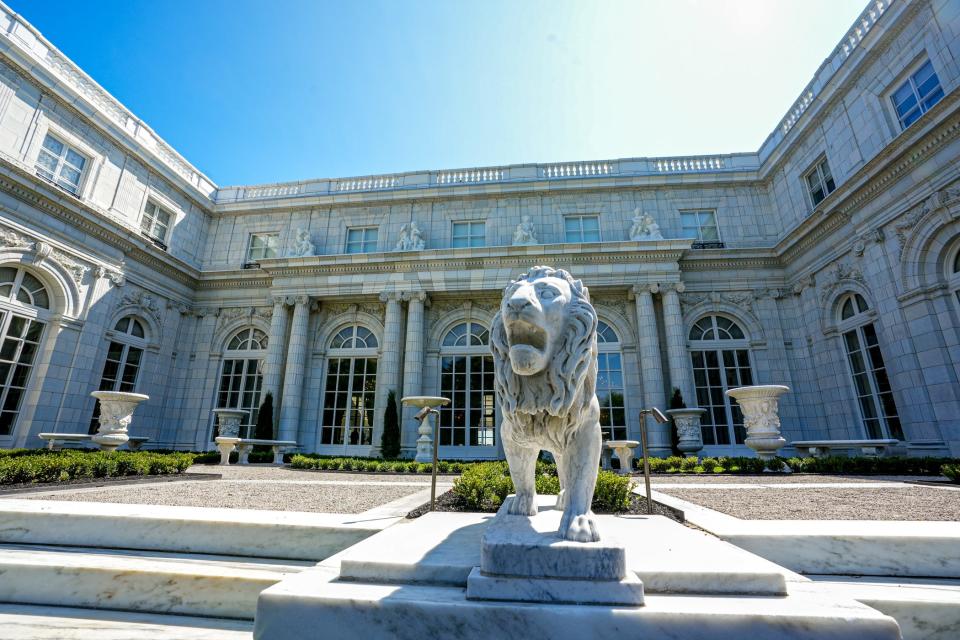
(259, 487)
(868, 501)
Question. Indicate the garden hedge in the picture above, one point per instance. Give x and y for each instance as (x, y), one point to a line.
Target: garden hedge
(40, 465)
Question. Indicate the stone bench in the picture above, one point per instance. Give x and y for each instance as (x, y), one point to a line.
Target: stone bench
(244, 445)
(55, 441)
(824, 447)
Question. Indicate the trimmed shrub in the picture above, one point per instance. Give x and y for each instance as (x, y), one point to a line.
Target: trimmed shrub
(390, 440)
(71, 464)
(485, 485)
(952, 471)
(263, 430)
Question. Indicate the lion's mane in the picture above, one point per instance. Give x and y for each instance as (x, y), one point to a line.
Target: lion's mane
(566, 380)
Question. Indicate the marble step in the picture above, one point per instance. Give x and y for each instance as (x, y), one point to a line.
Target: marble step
(144, 581)
(908, 549)
(242, 532)
(927, 609)
(29, 622)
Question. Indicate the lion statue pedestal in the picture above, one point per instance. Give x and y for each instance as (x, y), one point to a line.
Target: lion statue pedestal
(544, 343)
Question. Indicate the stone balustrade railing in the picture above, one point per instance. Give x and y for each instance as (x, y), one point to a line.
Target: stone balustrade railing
(489, 175)
(25, 44)
(26, 40)
(855, 35)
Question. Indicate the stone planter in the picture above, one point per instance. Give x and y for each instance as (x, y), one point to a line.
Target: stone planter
(116, 414)
(229, 422)
(229, 431)
(688, 429)
(759, 405)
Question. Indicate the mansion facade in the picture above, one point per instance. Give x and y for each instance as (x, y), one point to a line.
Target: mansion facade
(828, 260)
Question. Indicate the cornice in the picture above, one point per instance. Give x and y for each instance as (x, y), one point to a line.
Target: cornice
(895, 160)
(29, 189)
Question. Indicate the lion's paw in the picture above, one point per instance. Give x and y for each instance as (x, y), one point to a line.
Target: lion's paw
(523, 505)
(579, 528)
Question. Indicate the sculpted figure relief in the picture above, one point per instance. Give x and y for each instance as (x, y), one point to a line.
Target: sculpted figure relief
(544, 344)
(524, 234)
(301, 245)
(411, 239)
(644, 227)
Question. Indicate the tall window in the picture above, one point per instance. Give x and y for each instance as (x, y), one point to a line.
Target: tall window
(351, 385)
(954, 276)
(720, 353)
(581, 228)
(914, 97)
(61, 164)
(870, 381)
(22, 298)
(469, 234)
(124, 358)
(613, 416)
(820, 182)
(700, 225)
(466, 377)
(155, 223)
(263, 246)
(241, 376)
(361, 239)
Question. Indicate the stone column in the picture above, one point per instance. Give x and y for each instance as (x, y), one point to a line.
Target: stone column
(295, 370)
(388, 369)
(412, 371)
(651, 367)
(273, 367)
(681, 374)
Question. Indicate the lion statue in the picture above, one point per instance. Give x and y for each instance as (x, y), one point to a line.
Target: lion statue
(544, 344)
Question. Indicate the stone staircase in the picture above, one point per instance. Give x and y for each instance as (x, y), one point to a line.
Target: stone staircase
(157, 564)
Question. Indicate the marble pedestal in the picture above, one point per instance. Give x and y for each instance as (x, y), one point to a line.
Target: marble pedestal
(409, 582)
(522, 558)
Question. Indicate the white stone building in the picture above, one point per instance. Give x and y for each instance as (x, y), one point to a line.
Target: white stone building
(828, 260)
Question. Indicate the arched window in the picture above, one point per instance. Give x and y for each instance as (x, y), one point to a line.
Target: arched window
(349, 394)
(867, 370)
(24, 303)
(124, 358)
(613, 416)
(953, 273)
(17, 284)
(241, 375)
(720, 354)
(466, 377)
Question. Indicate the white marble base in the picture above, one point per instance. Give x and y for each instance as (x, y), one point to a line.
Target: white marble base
(443, 548)
(241, 532)
(839, 547)
(316, 599)
(627, 591)
(924, 608)
(26, 622)
(530, 546)
(150, 582)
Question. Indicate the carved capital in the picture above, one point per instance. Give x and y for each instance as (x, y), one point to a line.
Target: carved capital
(390, 296)
(301, 300)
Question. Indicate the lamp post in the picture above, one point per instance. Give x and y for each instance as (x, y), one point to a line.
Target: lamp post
(660, 418)
(427, 406)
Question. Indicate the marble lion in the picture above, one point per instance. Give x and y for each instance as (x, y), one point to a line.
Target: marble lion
(544, 344)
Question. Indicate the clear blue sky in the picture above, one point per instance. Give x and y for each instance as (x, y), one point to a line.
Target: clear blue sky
(254, 92)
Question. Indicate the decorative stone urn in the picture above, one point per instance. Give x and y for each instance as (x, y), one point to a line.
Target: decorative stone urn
(229, 428)
(759, 405)
(688, 429)
(116, 414)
